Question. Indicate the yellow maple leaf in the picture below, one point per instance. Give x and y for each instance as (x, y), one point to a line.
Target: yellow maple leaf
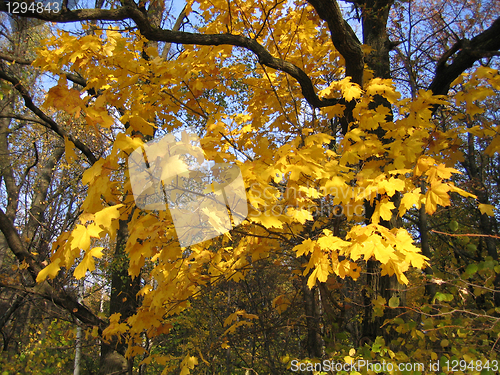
(69, 148)
(232, 317)
(383, 210)
(416, 259)
(280, 303)
(300, 215)
(235, 326)
(423, 164)
(462, 192)
(334, 111)
(174, 166)
(104, 218)
(330, 242)
(487, 209)
(50, 271)
(413, 198)
(384, 88)
(320, 273)
(93, 172)
(305, 247)
(93, 230)
(88, 262)
(126, 143)
(384, 253)
(80, 238)
(218, 220)
(356, 251)
(493, 147)
(436, 195)
(391, 186)
(350, 90)
(141, 125)
(440, 171)
(269, 220)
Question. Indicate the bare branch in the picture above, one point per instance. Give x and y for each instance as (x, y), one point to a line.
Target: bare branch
(177, 26)
(343, 37)
(17, 59)
(75, 78)
(37, 111)
(485, 44)
(24, 118)
(466, 234)
(44, 289)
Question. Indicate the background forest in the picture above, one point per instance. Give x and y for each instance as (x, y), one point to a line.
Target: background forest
(367, 135)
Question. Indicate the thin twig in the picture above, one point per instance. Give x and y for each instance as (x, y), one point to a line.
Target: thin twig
(466, 234)
(236, 147)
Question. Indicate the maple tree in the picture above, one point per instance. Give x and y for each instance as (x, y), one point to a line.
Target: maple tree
(341, 143)
(40, 195)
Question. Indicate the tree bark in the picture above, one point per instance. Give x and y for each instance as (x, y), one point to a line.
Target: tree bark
(311, 310)
(123, 299)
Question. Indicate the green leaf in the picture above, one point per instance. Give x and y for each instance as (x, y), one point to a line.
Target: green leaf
(471, 269)
(443, 297)
(490, 264)
(377, 345)
(453, 226)
(394, 302)
(471, 247)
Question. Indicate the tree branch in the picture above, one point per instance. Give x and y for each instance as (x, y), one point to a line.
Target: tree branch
(16, 245)
(17, 59)
(483, 45)
(37, 111)
(24, 118)
(177, 26)
(343, 37)
(129, 10)
(44, 289)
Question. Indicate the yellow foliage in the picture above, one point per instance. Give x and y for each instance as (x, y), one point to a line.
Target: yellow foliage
(487, 209)
(70, 151)
(297, 175)
(88, 262)
(50, 271)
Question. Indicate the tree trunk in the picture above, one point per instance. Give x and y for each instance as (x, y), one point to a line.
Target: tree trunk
(79, 332)
(123, 301)
(311, 309)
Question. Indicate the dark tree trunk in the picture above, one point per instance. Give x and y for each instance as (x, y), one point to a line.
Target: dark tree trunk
(123, 301)
(311, 309)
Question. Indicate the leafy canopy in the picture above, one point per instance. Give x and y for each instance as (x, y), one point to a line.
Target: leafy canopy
(293, 165)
